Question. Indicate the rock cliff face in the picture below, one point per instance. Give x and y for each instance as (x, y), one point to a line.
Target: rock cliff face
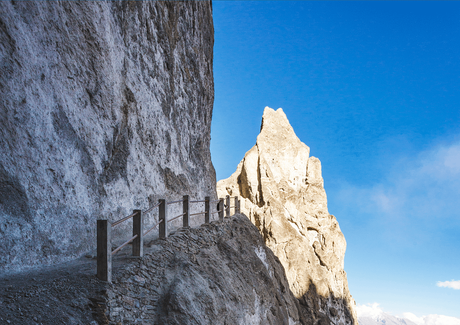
(104, 108)
(281, 190)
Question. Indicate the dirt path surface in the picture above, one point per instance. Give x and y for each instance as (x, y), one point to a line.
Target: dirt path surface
(64, 294)
(68, 293)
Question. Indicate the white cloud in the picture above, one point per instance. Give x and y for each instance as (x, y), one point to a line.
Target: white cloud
(449, 284)
(375, 312)
(413, 318)
(442, 162)
(417, 191)
(427, 184)
(369, 310)
(432, 319)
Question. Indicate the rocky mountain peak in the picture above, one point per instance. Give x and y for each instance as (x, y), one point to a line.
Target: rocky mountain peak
(278, 139)
(276, 123)
(282, 193)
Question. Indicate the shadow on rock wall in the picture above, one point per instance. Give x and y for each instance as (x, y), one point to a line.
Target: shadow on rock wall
(320, 310)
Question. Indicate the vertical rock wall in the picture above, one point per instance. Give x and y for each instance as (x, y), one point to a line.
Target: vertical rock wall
(104, 107)
(283, 195)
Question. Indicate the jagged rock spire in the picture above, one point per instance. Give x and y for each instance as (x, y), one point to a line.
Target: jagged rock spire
(282, 194)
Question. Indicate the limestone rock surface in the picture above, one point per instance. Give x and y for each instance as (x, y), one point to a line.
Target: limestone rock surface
(105, 106)
(282, 193)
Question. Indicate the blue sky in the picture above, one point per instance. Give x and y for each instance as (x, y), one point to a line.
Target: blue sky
(373, 88)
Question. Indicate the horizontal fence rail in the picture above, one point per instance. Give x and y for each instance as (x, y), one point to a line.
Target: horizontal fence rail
(124, 219)
(174, 202)
(195, 214)
(180, 215)
(150, 209)
(145, 233)
(104, 228)
(124, 244)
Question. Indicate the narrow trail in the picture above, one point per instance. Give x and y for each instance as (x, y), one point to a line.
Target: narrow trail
(67, 293)
(52, 295)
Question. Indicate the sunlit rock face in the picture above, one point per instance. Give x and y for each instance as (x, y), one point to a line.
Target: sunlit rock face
(281, 190)
(105, 106)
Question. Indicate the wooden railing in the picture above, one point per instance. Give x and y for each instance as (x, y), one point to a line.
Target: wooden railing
(104, 228)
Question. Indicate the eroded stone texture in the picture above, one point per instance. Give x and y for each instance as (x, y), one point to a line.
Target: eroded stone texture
(281, 190)
(104, 108)
(219, 273)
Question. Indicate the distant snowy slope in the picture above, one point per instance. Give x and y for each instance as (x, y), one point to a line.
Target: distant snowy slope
(372, 314)
(384, 319)
(432, 319)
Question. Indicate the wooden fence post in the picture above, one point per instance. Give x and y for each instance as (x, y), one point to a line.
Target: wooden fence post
(227, 203)
(138, 242)
(207, 199)
(221, 209)
(186, 210)
(163, 228)
(104, 250)
(237, 205)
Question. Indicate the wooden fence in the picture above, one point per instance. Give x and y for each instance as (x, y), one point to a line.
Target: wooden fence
(104, 228)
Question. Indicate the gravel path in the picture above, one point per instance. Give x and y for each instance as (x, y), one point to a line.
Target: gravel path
(66, 294)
